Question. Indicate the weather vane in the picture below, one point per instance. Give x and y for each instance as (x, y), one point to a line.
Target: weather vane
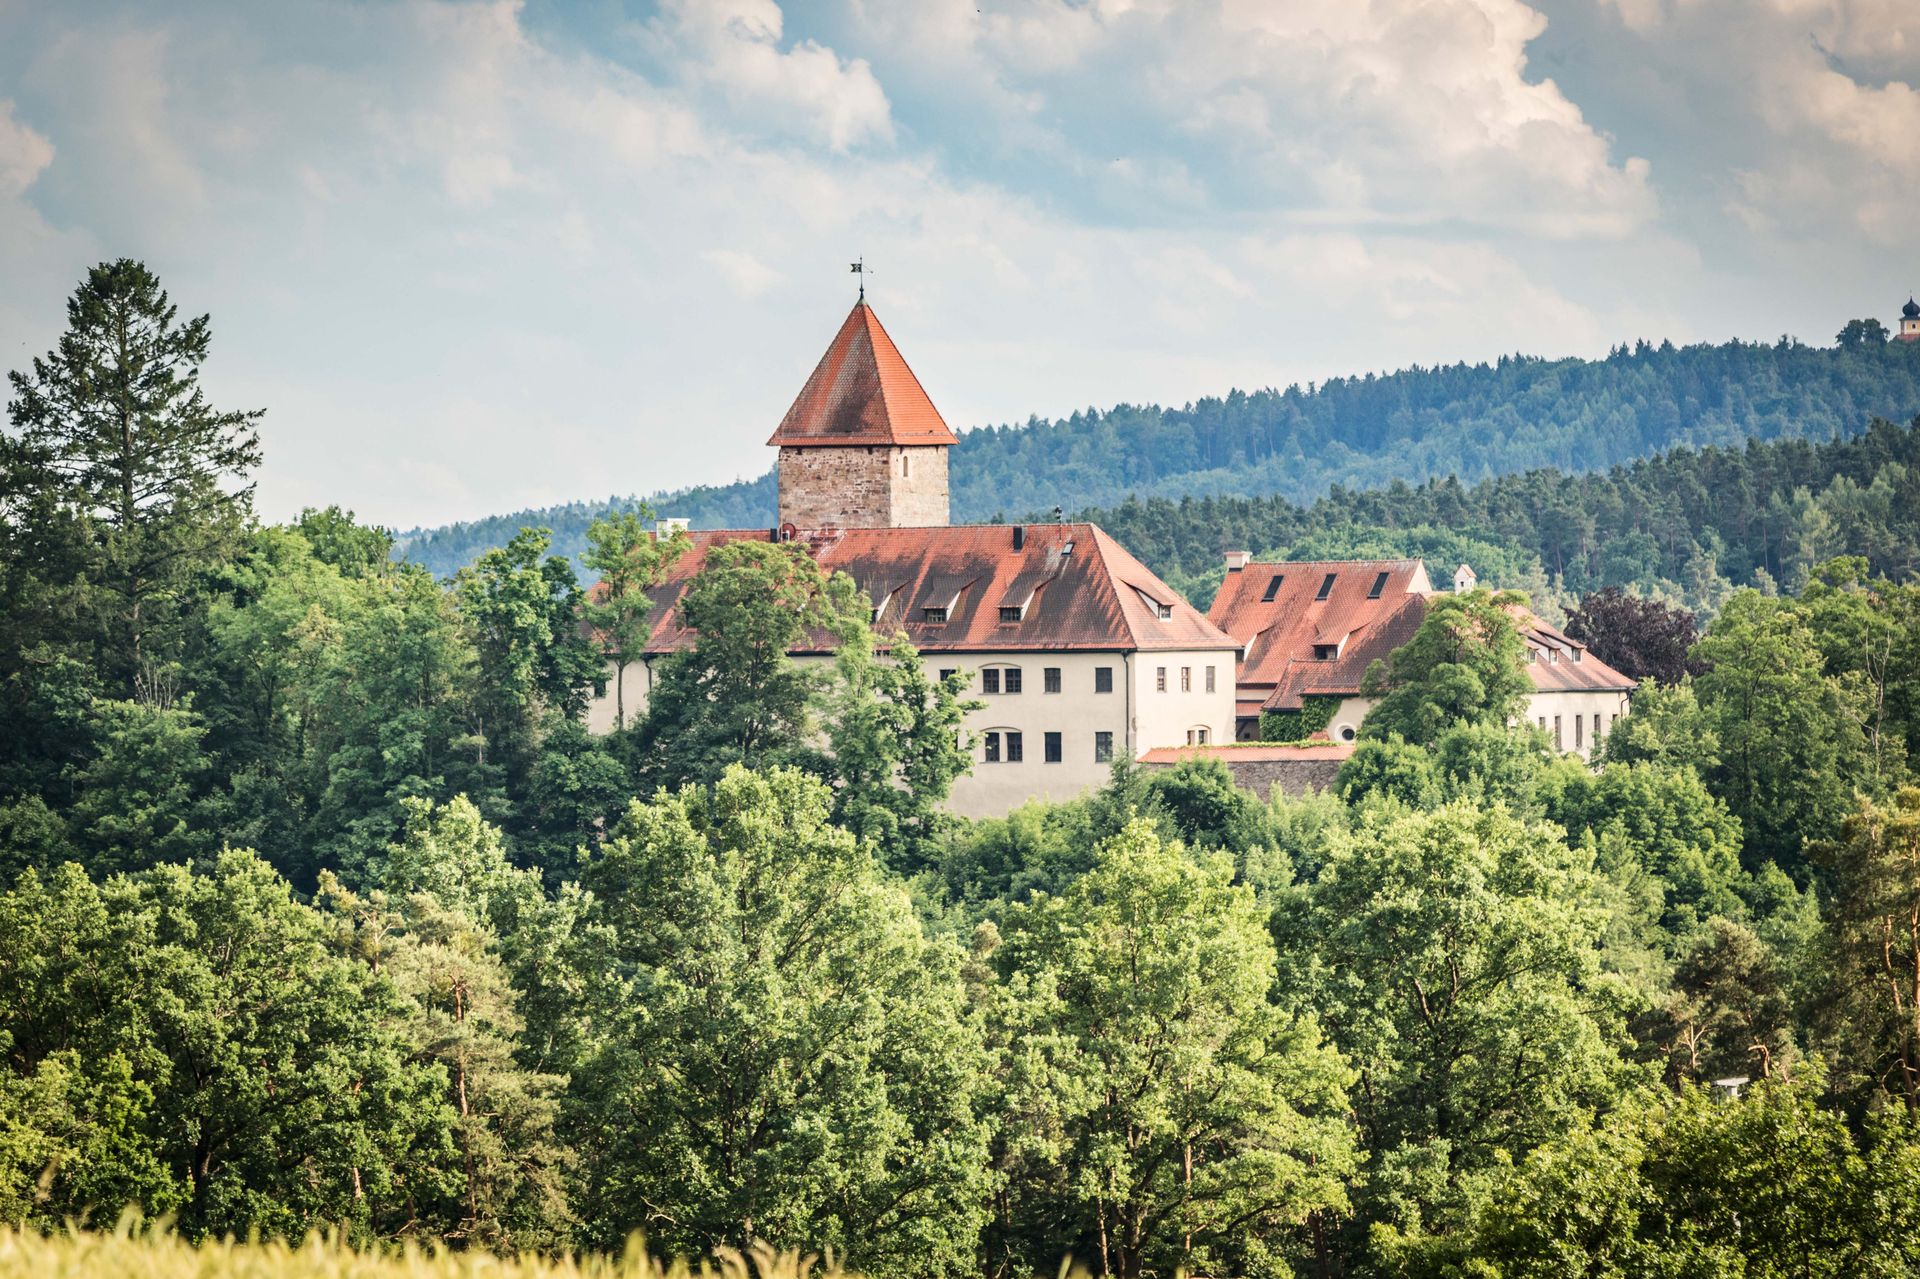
(859, 268)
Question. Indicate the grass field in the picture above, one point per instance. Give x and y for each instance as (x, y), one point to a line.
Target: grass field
(121, 1256)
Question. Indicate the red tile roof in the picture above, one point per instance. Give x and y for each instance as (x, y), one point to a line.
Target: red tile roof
(1280, 635)
(1251, 752)
(862, 393)
(1080, 589)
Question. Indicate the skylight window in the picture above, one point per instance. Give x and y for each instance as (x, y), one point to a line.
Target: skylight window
(1379, 587)
(1326, 587)
(1273, 587)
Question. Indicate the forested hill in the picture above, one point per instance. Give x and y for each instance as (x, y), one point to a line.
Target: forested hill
(1470, 421)
(1688, 524)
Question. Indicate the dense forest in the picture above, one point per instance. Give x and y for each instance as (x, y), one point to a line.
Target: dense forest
(1468, 422)
(1690, 525)
(319, 907)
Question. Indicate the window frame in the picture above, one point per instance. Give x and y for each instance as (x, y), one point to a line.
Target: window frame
(1103, 746)
(1050, 681)
(1052, 748)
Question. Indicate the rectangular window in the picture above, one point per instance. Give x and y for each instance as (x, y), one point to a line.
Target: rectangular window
(1103, 748)
(1053, 748)
(1379, 587)
(1196, 737)
(993, 748)
(947, 672)
(1186, 679)
(1326, 587)
(1543, 723)
(1010, 680)
(990, 680)
(1579, 732)
(1596, 728)
(933, 616)
(1103, 679)
(1050, 679)
(1325, 652)
(1015, 751)
(906, 466)
(1166, 612)
(1273, 587)
(1009, 612)
(1558, 743)
(1209, 679)
(1159, 679)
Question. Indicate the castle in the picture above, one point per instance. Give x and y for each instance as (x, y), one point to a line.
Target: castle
(1079, 652)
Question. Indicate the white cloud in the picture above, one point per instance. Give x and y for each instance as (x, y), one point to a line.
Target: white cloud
(24, 154)
(735, 45)
(468, 266)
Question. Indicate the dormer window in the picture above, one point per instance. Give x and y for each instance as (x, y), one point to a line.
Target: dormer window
(1161, 610)
(1273, 587)
(934, 616)
(1166, 612)
(1576, 654)
(1326, 587)
(1011, 612)
(1325, 652)
(1379, 587)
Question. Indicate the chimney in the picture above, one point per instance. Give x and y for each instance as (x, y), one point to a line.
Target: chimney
(1237, 560)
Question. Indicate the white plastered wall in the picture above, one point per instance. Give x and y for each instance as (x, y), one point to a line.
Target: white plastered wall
(1137, 714)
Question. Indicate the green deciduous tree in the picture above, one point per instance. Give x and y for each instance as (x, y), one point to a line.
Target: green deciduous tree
(898, 746)
(630, 560)
(1454, 956)
(1465, 665)
(778, 1052)
(239, 1072)
(1161, 1112)
(1791, 746)
(736, 696)
(1876, 923)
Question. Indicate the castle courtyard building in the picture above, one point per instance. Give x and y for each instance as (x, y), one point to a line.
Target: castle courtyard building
(1309, 631)
(1080, 654)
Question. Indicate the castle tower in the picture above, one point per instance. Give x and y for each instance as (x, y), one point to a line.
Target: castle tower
(1910, 321)
(863, 446)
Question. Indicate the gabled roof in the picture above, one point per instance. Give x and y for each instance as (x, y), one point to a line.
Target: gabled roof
(1081, 590)
(1280, 635)
(862, 393)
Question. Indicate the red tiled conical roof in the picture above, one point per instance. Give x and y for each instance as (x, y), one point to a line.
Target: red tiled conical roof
(862, 393)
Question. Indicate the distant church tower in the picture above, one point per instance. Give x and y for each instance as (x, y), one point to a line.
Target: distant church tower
(863, 446)
(1910, 321)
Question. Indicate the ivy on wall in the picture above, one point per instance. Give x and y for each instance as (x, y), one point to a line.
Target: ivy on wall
(1314, 715)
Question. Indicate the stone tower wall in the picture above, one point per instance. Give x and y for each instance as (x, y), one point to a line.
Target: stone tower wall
(839, 486)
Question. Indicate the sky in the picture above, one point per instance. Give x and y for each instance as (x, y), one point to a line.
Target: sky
(478, 255)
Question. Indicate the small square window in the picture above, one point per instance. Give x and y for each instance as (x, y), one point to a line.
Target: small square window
(1326, 587)
(947, 672)
(1166, 612)
(1273, 587)
(993, 748)
(933, 616)
(1103, 748)
(1159, 679)
(990, 680)
(1053, 748)
(1186, 679)
(1015, 751)
(1103, 679)
(1050, 679)
(1010, 679)
(1209, 679)
(1010, 612)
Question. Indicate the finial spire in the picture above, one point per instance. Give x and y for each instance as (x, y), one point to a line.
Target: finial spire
(860, 269)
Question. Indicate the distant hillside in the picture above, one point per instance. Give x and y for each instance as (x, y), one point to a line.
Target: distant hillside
(1469, 421)
(1689, 524)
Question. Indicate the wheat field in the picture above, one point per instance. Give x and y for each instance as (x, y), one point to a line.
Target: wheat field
(126, 1255)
